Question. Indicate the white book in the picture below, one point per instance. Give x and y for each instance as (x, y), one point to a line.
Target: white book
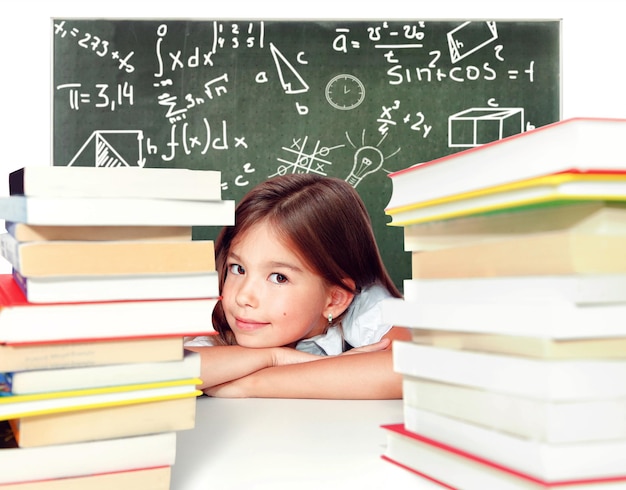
(524, 345)
(542, 460)
(161, 183)
(87, 458)
(546, 319)
(115, 211)
(532, 418)
(66, 379)
(568, 379)
(578, 143)
(542, 289)
(22, 322)
(69, 289)
(451, 467)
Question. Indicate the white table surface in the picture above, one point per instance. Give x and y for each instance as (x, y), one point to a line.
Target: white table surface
(290, 444)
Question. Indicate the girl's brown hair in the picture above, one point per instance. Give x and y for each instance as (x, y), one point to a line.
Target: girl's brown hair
(326, 223)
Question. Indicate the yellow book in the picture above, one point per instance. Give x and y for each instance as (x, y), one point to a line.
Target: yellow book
(16, 406)
(547, 189)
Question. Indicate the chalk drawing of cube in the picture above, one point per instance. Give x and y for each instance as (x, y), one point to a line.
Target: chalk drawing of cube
(477, 126)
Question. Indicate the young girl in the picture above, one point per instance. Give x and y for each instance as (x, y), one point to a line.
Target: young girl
(301, 280)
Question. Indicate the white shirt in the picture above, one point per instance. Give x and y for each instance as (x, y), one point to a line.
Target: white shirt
(362, 325)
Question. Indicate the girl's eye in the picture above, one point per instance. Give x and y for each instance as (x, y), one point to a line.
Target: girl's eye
(278, 278)
(236, 269)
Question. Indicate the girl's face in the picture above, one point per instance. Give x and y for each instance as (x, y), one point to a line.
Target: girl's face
(271, 298)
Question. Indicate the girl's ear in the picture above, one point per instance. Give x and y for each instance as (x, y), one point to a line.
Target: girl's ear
(339, 299)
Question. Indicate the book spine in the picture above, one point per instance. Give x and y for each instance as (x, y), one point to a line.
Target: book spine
(20, 281)
(16, 182)
(6, 384)
(9, 249)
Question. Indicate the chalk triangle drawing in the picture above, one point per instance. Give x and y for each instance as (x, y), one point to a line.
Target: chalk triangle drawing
(106, 156)
(110, 149)
(286, 69)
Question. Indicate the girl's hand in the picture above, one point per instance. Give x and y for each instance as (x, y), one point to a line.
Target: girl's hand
(282, 356)
(231, 389)
(244, 387)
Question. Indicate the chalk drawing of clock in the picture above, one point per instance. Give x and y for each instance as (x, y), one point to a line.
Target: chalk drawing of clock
(345, 92)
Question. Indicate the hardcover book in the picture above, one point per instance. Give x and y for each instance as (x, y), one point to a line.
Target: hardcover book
(545, 379)
(153, 478)
(584, 144)
(23, 322)
(84, 289)
(524, 345)
(575, 289)
(454, 468)
(18, 406)
(83, 458)
(116, 211)
(544, 461)
(23, 232)
(81, 378)
(577, 217)
(546, 254)
(95, 424)
(556, 422)
(547, 190)
(161, 183)
(548, 320)
(68, 353)
(102, 258)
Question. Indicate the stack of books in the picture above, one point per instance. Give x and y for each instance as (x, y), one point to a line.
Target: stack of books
(515, 376)
(107, 282)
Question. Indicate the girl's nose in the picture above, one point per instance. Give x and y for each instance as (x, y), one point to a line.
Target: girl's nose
(247, 294)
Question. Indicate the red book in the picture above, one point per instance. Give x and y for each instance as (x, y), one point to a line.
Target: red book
(454, 468)
(23, 322)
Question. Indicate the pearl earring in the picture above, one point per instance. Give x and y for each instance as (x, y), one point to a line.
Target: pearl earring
(330, 318)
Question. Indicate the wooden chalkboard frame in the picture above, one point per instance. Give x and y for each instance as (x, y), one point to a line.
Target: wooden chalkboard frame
(354, 99)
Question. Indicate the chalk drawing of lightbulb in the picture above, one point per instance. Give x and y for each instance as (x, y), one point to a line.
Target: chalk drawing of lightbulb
(367, 160)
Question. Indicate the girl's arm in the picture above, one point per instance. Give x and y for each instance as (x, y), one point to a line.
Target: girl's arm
(359, 374)
(221, 364)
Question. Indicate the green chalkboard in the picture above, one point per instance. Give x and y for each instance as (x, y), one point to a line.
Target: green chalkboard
(349, 99)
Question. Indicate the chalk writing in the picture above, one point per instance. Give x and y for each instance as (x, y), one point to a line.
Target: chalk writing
(101, 95)
(253, 99)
